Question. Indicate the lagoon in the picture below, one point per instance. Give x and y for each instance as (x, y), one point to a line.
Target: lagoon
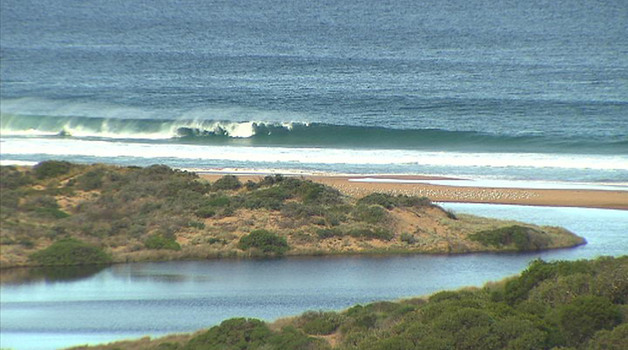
(134, 300)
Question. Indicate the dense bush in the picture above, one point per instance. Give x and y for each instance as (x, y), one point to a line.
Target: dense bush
(372, 214)
(521, 237)
(265, 241)
(158, 241)
(227, 182)
(585, 315)
(91, 180)
(44, 206)
(52, 168)
(71, 252)
(251, 334)
(319, 323)
(12, 178)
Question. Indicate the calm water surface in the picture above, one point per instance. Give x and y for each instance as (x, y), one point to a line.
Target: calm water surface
(156, 298)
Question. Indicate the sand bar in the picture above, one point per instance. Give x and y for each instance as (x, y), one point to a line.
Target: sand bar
(438, 193)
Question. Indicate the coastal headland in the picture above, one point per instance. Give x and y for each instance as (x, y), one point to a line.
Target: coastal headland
(126, 214)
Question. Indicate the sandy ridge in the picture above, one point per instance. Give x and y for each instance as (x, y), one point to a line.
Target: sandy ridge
(440, 193)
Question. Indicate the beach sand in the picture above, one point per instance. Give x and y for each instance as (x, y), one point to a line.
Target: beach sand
(439, 193)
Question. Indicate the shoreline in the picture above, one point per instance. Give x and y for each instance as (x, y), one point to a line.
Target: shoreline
(347, 184)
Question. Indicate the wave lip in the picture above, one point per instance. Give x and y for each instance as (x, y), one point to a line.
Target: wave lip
(300, 134)
(141, 129)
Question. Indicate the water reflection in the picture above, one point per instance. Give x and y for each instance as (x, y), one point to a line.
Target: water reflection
(48, 274)
(133, 300)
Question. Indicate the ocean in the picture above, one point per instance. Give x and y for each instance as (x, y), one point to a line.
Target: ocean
(494, 90)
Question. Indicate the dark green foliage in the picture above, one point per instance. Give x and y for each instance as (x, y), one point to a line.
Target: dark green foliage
(296, 210)
(265, 241)
(71, 252)
(227, 182)
(274, 190)
(52, 213)
(372, 214)
(242, 333)
(329, 232)
(45, 207)
(267, 198)
(521, 237)
(205, 212)
(236, 333)
(91, 180)
(9, 199)
(319, 323)
(617, 339)
(580, 319)
(475, 320)
(517, 289)
(51, 168)
(158, 241)
(12, 178)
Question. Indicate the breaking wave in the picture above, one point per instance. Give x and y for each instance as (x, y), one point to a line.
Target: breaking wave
(298, 134)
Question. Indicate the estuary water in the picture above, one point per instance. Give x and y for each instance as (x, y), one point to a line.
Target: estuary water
(134, 300)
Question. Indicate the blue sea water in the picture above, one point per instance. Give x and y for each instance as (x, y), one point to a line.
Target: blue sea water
(528, 90)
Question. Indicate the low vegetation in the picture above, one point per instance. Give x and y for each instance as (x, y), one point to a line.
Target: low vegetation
(159, 213)
(577, 305)
(69, 251)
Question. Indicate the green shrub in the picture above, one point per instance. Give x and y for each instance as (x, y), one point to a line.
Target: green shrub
(329, 233)
(205, 212)
(70, 251)
(372, 214)
(218, 201)
(158, 241)
(9, 199)
(12, 178)
(580, 319)
(227, 182)
(91, 180)
(518, 288)
(53, 213)
(523, 238)
(383, 199)
(377, 233)
(52, 168)
(251, 334)
(265, 241)
(610, 340)
(319, 323)
(196, 224)
(236, 333)
(269, 198)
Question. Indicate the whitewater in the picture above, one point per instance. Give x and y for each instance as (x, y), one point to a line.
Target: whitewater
(469, 89)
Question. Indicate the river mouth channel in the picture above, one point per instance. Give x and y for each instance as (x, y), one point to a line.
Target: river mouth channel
(68, 307)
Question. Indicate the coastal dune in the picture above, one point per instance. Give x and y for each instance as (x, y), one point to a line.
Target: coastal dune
(353, 186)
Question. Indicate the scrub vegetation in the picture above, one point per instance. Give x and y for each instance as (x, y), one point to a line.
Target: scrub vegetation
(577, 305)
(159, 213)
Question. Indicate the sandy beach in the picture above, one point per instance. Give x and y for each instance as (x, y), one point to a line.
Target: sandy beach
(521, 196)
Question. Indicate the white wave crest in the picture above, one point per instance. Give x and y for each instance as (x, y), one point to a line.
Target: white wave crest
(76, 147)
